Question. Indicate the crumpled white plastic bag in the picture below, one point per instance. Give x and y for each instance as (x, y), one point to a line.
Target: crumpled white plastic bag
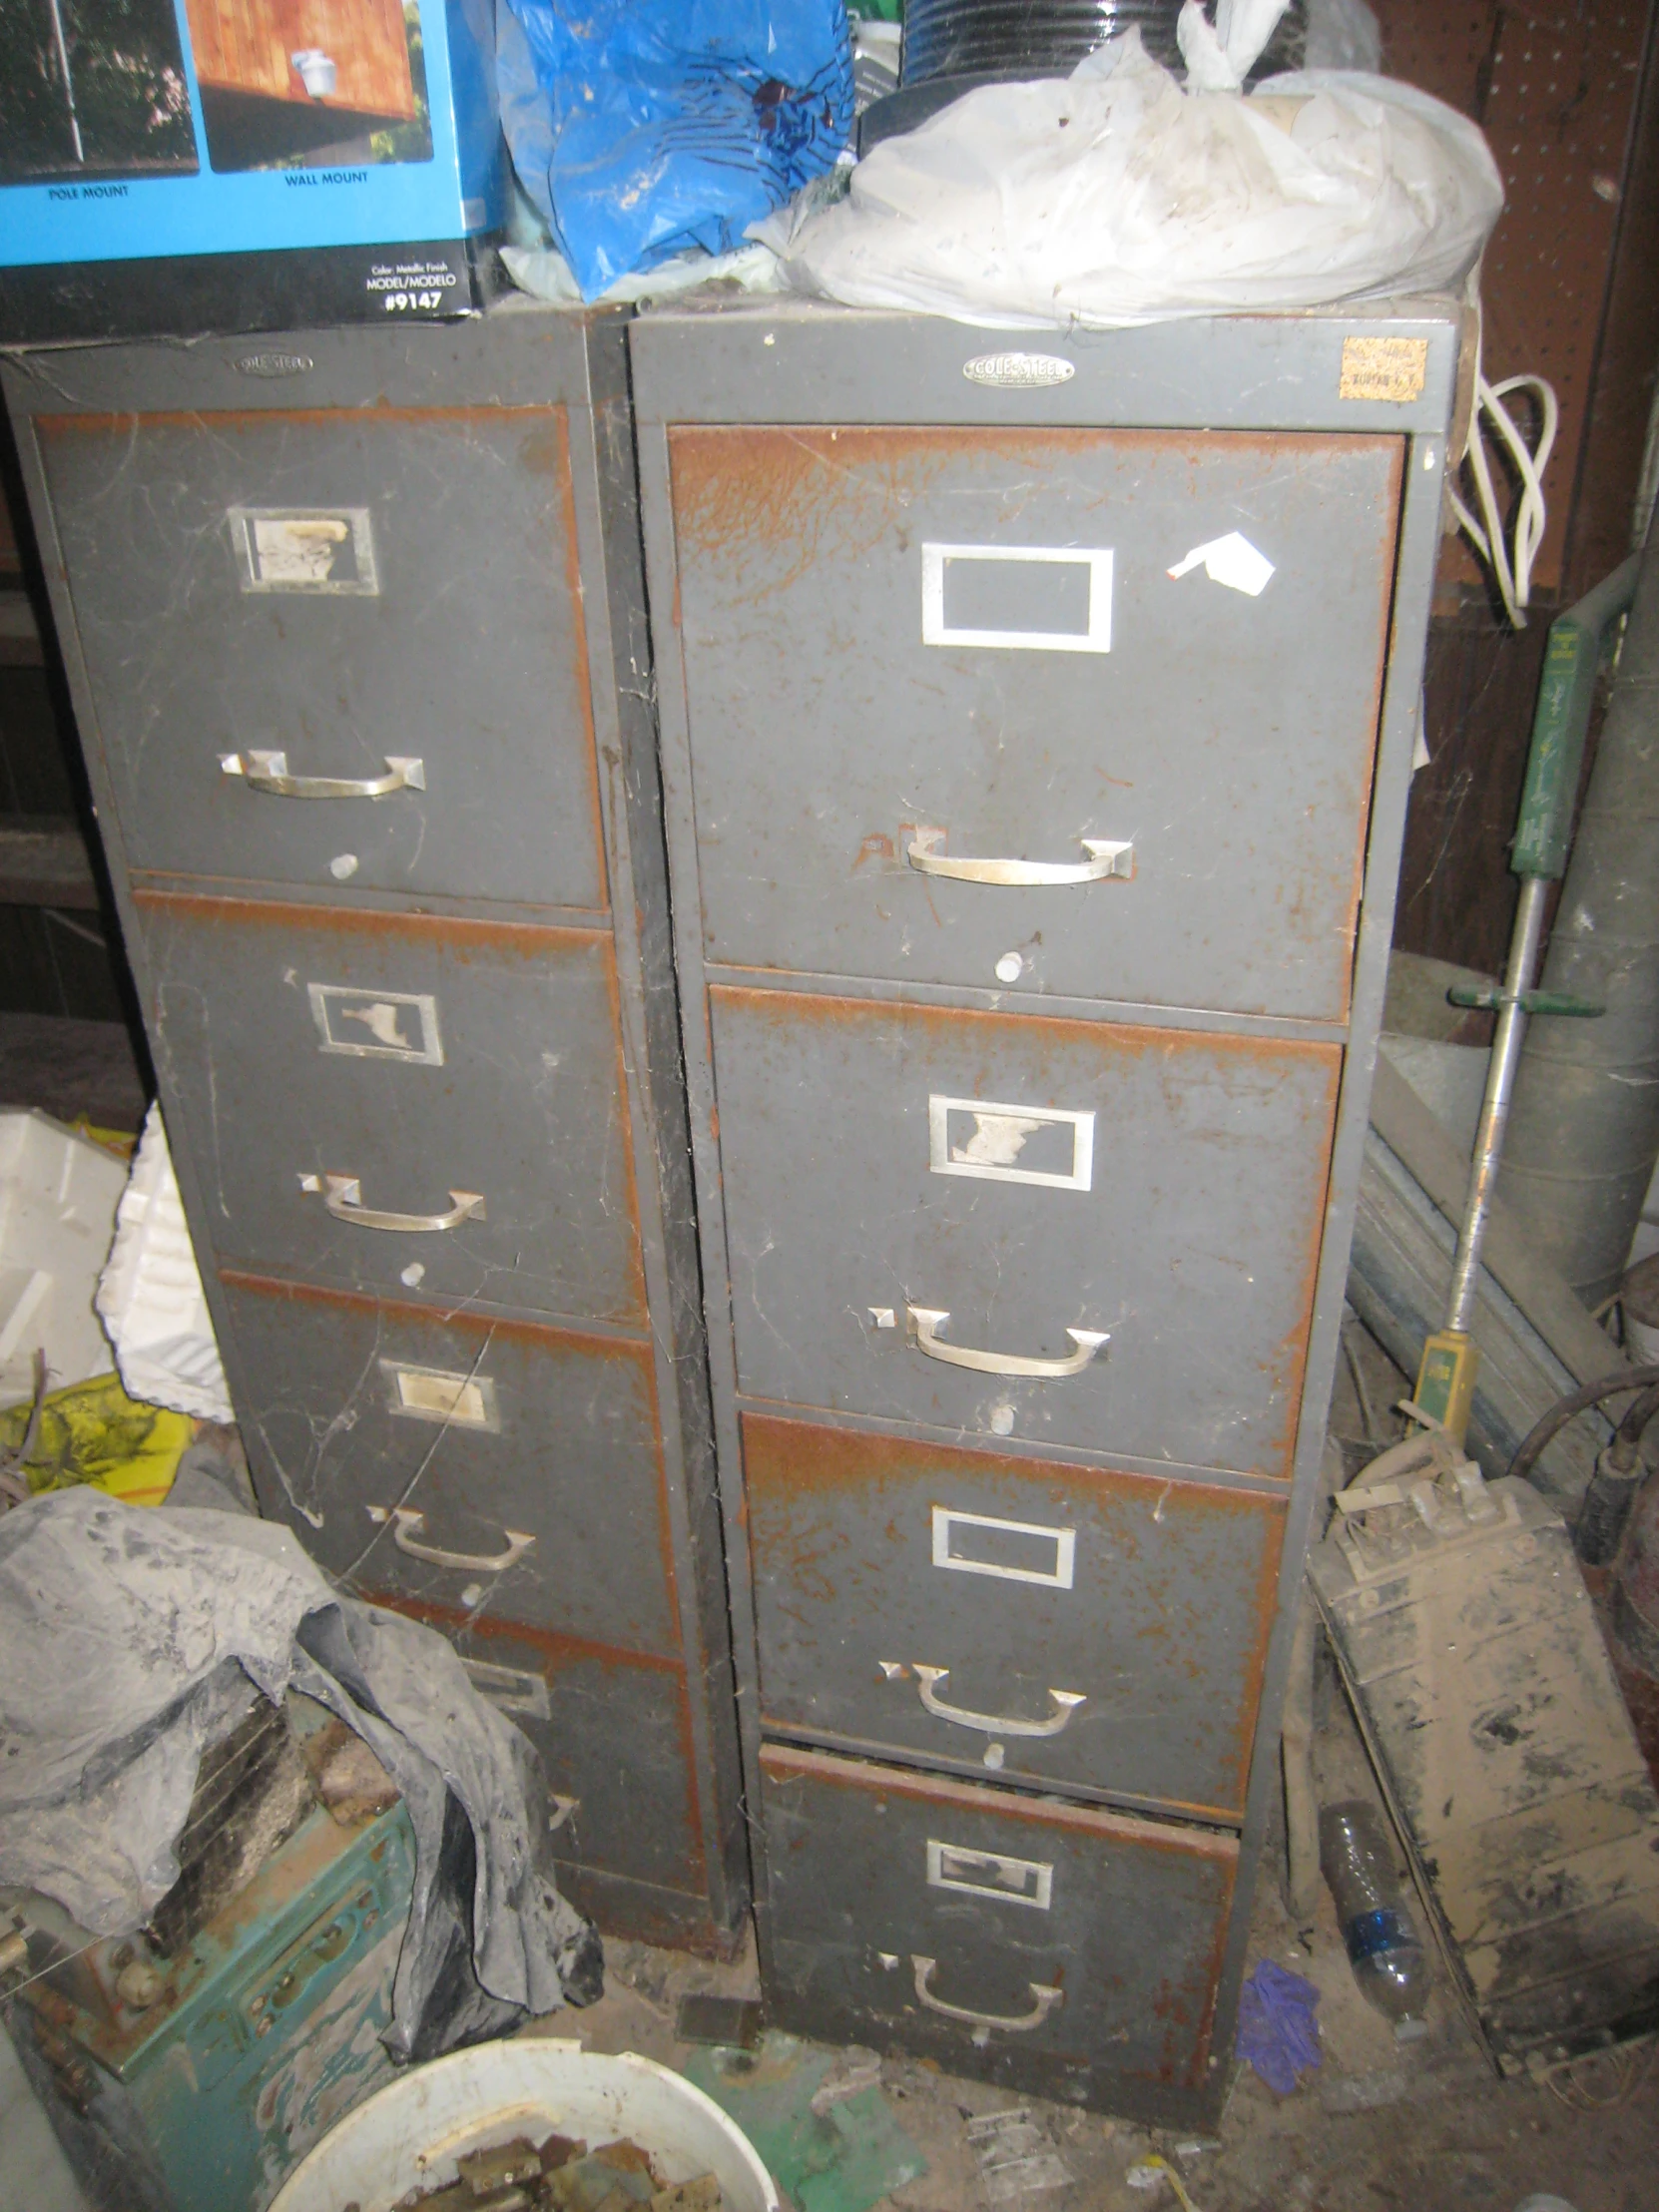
(1113, 197)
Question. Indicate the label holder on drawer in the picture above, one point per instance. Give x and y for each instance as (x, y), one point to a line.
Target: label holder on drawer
(990, 1874)
(1095, 637)
(313, 550)
(949, 1523)
(1001, 1134)
(435, 1395)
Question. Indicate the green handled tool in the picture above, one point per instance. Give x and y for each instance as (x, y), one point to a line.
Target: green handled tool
(1446, 1381)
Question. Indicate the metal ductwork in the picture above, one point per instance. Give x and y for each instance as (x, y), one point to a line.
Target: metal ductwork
(1583, 1131)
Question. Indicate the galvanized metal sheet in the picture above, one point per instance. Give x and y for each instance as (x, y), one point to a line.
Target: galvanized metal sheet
(402, 1067)
(1047, 1946)
(905, 650)
(455, 1459)
(1117, 1623)
(322, 585)
(1192, 1247)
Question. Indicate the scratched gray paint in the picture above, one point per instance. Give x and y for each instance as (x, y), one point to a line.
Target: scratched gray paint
(574, 1422)
(1227, 737)
(1130, 1936)
(524, 1111)
(466, 658)
(1194, 1249)
(1163, 1628)
(615, 1740)
(675, 1729)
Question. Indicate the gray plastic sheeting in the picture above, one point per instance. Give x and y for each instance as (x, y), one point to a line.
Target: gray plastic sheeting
(131, 1638)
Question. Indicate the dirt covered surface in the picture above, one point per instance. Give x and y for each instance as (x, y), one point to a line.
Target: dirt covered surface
(1425, 2127)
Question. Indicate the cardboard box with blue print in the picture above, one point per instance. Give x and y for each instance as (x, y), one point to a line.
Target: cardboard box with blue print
(197, 165)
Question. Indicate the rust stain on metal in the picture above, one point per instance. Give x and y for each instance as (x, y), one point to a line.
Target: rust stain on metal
(479, 1330)
(525, 940)
(794, 1469)
(794, 491)
(555, 1648)
(783, 1762)
(792, 1009)
(564, 477)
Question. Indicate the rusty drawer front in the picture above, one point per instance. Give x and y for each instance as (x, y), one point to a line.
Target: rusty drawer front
(1083, 694)
(1009, 1580)
(1159, 1185)
(190, 545)
(417, 1059)
(380, 1432)
(1099, 1933)
(613, 1733)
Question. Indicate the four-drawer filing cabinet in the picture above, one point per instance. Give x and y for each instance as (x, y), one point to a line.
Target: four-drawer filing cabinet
(1037, 713)
(355, 625)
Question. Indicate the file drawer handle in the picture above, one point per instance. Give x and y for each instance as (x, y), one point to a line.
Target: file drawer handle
(1046, 1996)
(991, 1724)
(344, 1197)
(927, 1323)
(406, 1523)
(269, 772)
(1104, 859)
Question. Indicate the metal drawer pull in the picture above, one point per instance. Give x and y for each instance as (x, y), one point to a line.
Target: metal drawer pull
(269, 772)
(344, 1197)
(927, 1323)
(1046, 1996)
(991, 1724)
(404, 1518)
(1104, 859)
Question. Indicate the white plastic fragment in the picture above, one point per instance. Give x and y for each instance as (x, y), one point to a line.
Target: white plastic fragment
(58, 1196)
(1232, 561)
(150, 1294)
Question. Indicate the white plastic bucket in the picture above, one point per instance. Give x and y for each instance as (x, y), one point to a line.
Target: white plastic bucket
(409, 2134)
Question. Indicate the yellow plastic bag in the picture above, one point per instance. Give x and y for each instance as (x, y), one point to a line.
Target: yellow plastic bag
(93, 1432)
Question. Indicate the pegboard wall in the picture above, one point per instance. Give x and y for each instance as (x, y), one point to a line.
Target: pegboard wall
(1556, 91)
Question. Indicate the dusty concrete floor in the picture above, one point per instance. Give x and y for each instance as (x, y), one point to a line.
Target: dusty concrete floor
(1380, 2127)
(1423, 2127)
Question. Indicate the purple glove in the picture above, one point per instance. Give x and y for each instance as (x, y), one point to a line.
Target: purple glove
(1277, 2032)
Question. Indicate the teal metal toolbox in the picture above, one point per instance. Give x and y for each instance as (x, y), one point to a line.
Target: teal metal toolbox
(188, 2067)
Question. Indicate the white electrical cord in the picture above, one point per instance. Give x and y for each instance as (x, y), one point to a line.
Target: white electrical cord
(1513, 574)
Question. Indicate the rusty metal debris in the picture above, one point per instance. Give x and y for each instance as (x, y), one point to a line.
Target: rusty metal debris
(563, 2175)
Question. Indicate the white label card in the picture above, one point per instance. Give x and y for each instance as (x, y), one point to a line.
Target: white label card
(1007, 1550)
(452, 1401)
(990, 1874)
(377, 1025)
(1024, 598)
(997, 1143)
(305, 549)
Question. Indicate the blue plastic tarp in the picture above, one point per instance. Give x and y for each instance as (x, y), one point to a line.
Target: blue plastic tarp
(643, 128)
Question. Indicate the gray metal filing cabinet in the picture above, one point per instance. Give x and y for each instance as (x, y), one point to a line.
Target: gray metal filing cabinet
(354, 625)
(1036, 718)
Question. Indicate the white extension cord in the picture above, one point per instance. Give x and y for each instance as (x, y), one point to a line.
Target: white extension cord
(1512, 569)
